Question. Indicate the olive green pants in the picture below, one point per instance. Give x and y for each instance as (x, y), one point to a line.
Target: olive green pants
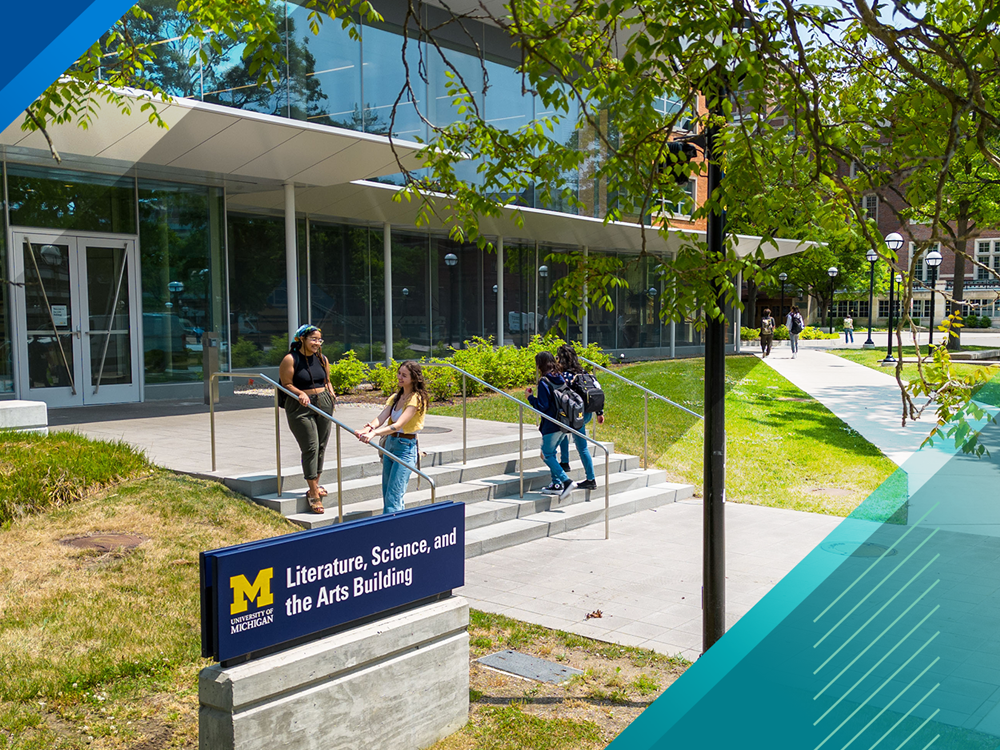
(311, 431)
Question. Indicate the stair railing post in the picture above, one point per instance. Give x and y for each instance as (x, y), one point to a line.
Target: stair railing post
(465, 428)
(211, 418)
(520, 444)
(277, 439)
(645, 430)
(340, 486)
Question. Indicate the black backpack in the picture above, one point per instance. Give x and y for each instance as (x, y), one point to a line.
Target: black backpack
(796, 324)
(569, 405)
(590, 391)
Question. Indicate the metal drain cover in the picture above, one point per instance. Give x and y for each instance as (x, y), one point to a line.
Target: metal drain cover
(858, 549)
(104, 542)
(531, 667)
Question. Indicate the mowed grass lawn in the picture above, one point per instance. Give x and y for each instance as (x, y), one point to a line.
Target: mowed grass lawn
(783, 448)
(873, 358)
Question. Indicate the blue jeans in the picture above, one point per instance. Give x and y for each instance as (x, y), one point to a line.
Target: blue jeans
(848, 335)
(395, 477)
(550, 443)
(582, 448)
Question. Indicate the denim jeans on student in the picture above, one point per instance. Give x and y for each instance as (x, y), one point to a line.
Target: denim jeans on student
(848, 335)
(793, 339)
(550, 444)
(582, 448)
(395, 476)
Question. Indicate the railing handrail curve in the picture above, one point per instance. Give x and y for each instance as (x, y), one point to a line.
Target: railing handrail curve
(654, 394)
(522, 406)
(278, 387)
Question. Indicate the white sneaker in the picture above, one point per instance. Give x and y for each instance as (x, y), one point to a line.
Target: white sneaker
(567, 488)
(553, 489)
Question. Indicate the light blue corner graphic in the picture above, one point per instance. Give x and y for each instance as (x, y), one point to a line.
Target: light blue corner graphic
(44, 41)
(885, 636)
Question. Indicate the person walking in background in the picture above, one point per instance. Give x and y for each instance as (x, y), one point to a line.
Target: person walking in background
(570, 366)
(795, 325)
(549, 379)
(305, 371)
(400, 421)
(766, 332)
(848, 329)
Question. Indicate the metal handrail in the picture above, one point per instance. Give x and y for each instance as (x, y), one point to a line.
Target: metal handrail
(520, 461)
(645, 403)
(277, 436)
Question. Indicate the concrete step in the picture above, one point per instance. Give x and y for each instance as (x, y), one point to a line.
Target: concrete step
(566, 517)
(266, 483)
(292, 501)
(473, 493)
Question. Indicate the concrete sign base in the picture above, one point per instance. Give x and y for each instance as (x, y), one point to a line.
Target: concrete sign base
(399, 683)
(24, 416)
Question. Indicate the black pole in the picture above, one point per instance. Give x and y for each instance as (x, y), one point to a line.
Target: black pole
(930, 320)
(889, 359)
(829, 305)
(781, 312)
(870, 344)
(714, 548)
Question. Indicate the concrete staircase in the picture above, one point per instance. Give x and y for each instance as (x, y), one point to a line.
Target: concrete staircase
(488, 483)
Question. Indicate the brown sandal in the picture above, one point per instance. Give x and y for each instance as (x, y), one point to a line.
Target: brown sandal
(315, 504)
(322, 491)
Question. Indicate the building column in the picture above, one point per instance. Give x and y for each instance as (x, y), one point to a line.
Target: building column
(499, 291)
(586, 303)
(291, 260)
(387, 259)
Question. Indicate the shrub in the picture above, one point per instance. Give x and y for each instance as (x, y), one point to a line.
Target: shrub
(479, 358)
(781, 333)
(245, 353)
(810, 333)
(749, 334)
(515, 367)
(347, 373)
(278, 350)
(592, 352)
(443, 382)
(985, 322)
(384, 378)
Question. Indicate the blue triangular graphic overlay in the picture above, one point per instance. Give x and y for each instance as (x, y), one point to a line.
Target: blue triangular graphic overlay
(43, 41)
(885, 636)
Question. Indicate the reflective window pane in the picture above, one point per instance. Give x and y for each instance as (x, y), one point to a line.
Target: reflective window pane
(49, 310)
(325, 73)
(384, 77)
(108, 313)
(68, 199)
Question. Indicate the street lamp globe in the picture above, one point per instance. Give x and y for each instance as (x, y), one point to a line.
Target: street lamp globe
(652, 292)
(451, 259)
(495, 289)
(832, 272)
(543, 271)
(899, 278)
(783, 276)
(406, 292)
(871, 256)
(933, 259)
(894, 241)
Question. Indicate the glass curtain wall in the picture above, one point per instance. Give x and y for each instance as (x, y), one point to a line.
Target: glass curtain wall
(68, 199)
(412, 332)
(181, 243)
(520, 290)
(6, 348)
(457, 306)
(345, 298)
(258, 290)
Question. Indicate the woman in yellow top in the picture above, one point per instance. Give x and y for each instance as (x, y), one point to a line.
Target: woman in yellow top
(400, 421)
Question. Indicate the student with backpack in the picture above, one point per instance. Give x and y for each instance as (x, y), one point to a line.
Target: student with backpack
(795, 327)
(551, 389)
(593, 403)
(766, 332)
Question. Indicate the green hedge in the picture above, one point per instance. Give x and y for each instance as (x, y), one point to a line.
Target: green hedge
(502, 367)
(781, 334)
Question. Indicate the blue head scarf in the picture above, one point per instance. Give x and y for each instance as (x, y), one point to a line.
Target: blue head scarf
(300, 336)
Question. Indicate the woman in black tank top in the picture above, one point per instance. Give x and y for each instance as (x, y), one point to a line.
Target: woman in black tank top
(306, 373)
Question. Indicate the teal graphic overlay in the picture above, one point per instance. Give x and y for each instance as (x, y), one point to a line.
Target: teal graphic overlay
(887, 635)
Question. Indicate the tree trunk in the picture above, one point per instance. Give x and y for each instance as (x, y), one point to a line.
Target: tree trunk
(751, 321)
(958, 287)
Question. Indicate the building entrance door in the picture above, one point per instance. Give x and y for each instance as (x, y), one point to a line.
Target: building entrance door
(76, 307)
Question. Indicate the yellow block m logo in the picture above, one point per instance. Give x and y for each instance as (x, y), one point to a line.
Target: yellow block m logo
(244, 591)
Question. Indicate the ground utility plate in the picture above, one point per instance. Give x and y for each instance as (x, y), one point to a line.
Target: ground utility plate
(531, 667)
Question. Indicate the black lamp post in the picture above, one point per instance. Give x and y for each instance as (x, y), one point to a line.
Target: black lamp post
(933, 260)
(872, 257)
(893, 242)
(543, 271)
(832, 273)
(783, 277)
